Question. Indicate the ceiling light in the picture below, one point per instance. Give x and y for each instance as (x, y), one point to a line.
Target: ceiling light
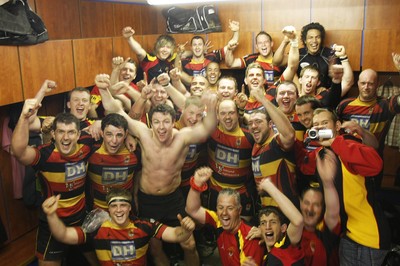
(174, 2)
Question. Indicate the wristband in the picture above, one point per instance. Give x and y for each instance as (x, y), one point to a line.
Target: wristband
(166, 85)
(344, 58)
(294, 43)
(197, 188)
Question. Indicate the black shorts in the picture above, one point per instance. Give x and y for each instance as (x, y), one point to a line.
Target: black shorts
(48, 248)
(162, 208)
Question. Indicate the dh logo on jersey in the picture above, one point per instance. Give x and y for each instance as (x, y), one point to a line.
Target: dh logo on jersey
(227, 156)
(74, 171)
(123, 250)
(114, 175)
(269, 75)
(192, 152)
(201, 72)
(255, 166)
(362, 120)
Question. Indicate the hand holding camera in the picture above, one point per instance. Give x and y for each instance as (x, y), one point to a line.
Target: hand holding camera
(316, 134)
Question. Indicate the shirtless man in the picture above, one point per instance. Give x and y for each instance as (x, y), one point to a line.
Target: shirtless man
(164, 151)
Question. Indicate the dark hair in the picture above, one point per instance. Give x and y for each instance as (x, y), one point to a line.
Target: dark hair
(212, 62)
(261, 111)
(315, 103)
(312, 26)
(118, 192)
(130, 60)
(275, 210)
(312, 185)
(66, 118)
(162, 108)
(197, 37)
(115, 120)
(77, 89)
(263, 33)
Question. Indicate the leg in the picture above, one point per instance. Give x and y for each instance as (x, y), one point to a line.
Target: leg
(348, 253)
(190, 251)
(49, 262)
(156, 251)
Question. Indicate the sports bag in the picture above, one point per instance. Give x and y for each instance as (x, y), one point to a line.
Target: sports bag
(202, 19)
(19, 25)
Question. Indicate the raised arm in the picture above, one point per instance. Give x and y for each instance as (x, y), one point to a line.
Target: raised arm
(295, 227)
(177, 97)
(280, 59)
(293, 58)
(348, 76)
(203, 130)
(20, 137)
(47, 86)
(175, 74)
(282, 123)
(334, 94)
(128, 33)
(327, 167)
(230, 60)
(112, 105)
(142, 104)
(181, 53)
(67, 235)
(117, 63)
(234, 26)
(198, 184)
(180, 233)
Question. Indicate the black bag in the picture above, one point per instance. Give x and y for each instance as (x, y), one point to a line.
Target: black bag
(203, 19)
(19, 25)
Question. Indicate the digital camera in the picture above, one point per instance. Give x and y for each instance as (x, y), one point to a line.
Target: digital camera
(320, 134)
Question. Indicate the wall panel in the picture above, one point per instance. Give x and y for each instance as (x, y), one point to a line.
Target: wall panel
(338, 14)
(97, 19)
(60, 17)
(127, 15)
(382, 14)
(351, 39)
(378, 48)
(50, 60)
(278, 14)
(153, 22)
(10, 76)
(91, 57)
(121, 48)
(250, 20)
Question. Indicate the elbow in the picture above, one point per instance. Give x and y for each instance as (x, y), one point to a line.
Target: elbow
(291, 136)
(190, 210)
(298, 221)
